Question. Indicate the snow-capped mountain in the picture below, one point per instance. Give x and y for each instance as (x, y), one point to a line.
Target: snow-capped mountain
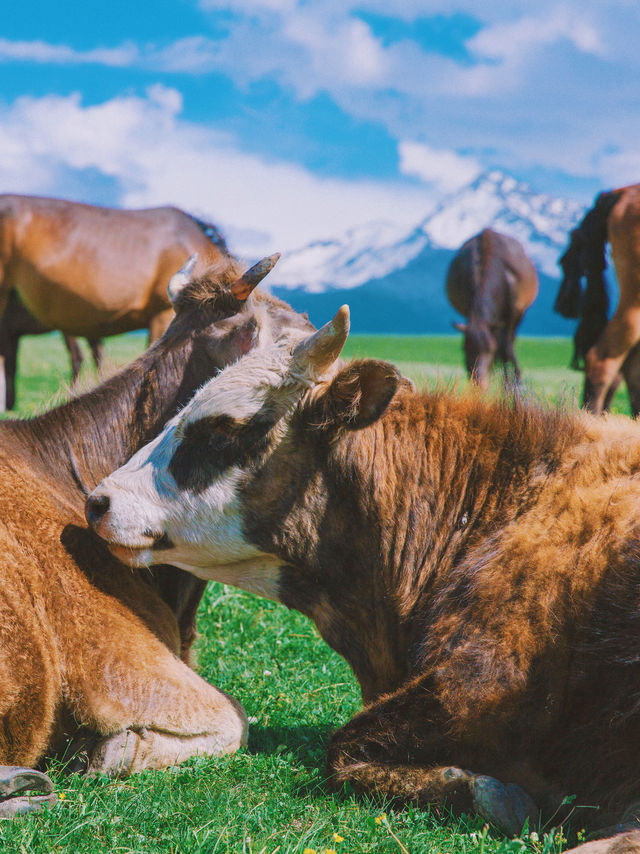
(374, 250)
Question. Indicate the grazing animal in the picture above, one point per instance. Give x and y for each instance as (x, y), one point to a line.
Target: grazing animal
(16, 322)
(477, 563)
(492, 283)
(84, 642)
(95, 271)
(606, 348)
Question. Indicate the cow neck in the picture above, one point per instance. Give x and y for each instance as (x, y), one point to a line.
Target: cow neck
(84, 440)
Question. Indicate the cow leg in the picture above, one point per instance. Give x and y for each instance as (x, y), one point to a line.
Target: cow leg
(15, 783)
(148, 707)
(383, 749)
(9, 348)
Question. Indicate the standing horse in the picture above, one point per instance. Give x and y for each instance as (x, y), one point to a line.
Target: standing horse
(95, 271)
(16, 322)
(492, 283)
(605, 349)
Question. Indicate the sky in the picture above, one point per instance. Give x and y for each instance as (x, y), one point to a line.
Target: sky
(286, 121)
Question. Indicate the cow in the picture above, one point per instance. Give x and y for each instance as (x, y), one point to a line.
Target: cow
(84, 642)
(606, 348)
(476, 561)
(491, 282)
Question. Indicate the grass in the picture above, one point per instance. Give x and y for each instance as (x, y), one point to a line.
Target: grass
(270, 797)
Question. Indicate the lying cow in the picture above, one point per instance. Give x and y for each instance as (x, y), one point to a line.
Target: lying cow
(477, 563)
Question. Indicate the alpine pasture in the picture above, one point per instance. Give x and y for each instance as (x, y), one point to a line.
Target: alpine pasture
(270, 797)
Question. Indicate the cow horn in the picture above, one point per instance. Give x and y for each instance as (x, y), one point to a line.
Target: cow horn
(243, 286)
(321, 349)
(461, 327)
(178, 281)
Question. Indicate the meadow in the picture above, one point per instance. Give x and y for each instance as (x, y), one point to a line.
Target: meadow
(271, 797)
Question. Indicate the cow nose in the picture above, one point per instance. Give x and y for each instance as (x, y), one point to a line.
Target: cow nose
(95, 507)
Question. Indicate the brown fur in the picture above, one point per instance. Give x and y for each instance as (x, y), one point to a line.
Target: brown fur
(478, 564)
(84, 641)
(492, 283)
(95, 271)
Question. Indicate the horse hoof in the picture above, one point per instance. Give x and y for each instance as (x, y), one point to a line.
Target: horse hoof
(14, 782)
(508, 807)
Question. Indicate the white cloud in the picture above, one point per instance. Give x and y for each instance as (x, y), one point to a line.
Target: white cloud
(157, 158)
(446, 170)
(39, 51)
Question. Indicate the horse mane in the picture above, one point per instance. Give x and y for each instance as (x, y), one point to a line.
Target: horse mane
(211, 231)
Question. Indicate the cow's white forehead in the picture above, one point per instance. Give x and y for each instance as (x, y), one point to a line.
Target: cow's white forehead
(239, 390)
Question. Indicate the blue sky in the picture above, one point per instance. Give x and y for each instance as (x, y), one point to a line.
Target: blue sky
(288, 120)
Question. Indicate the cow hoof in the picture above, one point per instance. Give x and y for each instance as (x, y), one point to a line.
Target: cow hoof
(15, 782)
(508, 807)
(114, 755)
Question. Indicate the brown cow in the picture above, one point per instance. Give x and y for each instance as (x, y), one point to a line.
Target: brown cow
(608, 348)
(491, 282)
(16, 322)
(83, 640)
(476, 562)
(95, 271)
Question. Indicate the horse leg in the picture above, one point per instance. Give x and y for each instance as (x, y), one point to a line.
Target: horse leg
(9, 349)
(388, 749)
(631, 373)
(75, 354)
(97, 348)
(159, 323)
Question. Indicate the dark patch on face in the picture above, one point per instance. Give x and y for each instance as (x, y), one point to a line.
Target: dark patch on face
(160, 541)
(215, 443)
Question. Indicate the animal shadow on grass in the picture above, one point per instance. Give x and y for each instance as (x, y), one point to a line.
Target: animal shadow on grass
(307, 743)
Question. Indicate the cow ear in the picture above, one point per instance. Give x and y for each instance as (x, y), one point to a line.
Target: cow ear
(358, 395)
(179, 280)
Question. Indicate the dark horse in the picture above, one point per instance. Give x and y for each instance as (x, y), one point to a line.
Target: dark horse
(96, 271)
(606, 349)
(492, 283)
(16, 322)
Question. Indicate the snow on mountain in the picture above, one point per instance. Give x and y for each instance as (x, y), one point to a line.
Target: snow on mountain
(374, 250)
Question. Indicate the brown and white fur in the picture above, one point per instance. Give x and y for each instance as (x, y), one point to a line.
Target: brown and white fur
(476, 562)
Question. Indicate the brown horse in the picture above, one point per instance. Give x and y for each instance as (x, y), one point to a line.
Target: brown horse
(83, 640)
(607, 350)
(492, 283)
(16, 322)
(95, 271)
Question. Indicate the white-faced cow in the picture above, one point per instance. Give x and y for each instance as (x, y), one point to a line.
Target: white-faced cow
(477, 563)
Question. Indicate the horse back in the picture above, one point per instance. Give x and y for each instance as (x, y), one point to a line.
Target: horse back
(92, 270)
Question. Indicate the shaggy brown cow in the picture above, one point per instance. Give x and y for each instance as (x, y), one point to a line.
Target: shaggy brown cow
(492, 282)
(83, 640)
(477, 563)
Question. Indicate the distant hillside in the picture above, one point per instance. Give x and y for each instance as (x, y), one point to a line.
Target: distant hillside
(393, 279)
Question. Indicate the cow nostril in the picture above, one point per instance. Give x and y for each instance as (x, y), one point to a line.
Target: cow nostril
(96, 507)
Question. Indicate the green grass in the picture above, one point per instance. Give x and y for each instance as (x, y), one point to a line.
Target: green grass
(270, 797)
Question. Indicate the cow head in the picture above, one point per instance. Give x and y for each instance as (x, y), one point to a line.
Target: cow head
(233, 489)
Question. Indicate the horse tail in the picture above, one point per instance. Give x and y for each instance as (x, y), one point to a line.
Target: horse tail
(596, 300)
(212, 232)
